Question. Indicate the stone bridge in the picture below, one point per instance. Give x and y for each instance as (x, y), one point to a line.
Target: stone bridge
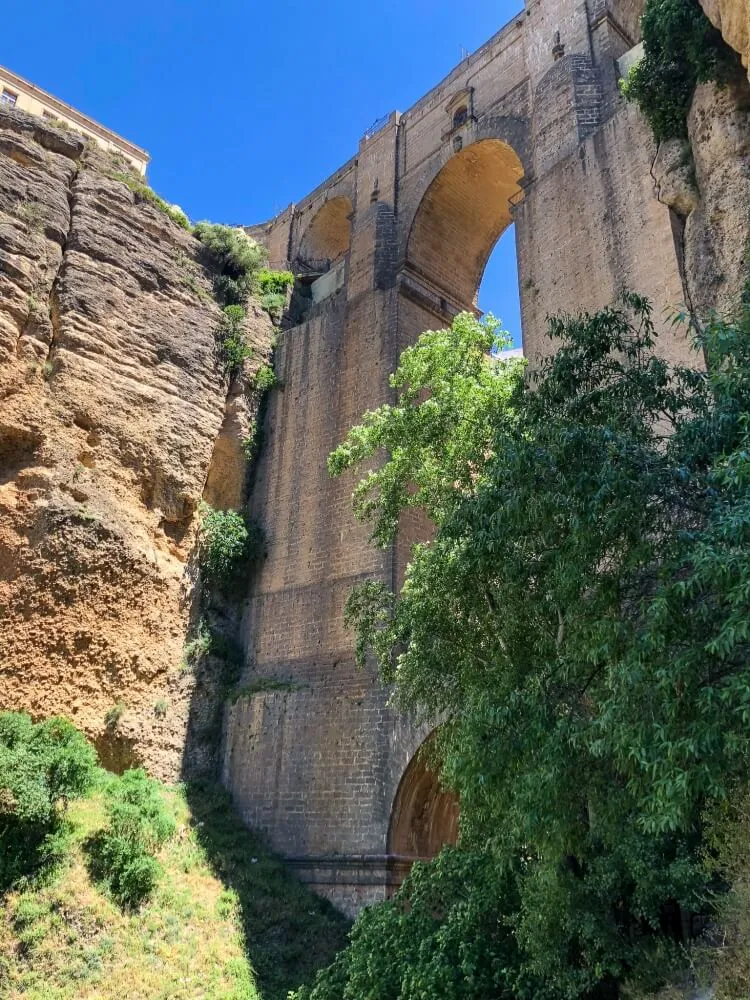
(529, 129)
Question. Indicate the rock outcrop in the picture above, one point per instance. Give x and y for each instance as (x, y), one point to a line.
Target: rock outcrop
(732, 18)
(113, 407)
(706, 182)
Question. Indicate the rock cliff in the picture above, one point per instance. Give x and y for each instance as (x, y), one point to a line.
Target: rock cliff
(115, 414)
(732, 18)
(706, 182)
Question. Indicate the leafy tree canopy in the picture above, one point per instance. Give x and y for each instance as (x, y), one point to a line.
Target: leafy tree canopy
(580, 621)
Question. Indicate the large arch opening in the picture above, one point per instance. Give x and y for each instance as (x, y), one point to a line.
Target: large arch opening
(328, 236)
(424, 819)
(460, 219)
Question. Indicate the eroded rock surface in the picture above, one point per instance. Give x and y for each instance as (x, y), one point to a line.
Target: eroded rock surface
(732, 18)
(112, 402)
(706, 182)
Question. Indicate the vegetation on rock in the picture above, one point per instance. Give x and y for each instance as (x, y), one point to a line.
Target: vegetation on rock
(238, 260)
(143, 192)
(681, 49)
(229, 543)
(581, 624)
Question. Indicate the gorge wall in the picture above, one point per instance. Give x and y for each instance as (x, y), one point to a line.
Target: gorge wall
(115, 419)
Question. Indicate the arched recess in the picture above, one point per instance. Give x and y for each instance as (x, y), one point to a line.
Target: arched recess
(424, 817)
(328, 236)
(461, 216)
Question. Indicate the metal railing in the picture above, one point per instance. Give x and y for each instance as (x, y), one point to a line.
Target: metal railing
(376, 126)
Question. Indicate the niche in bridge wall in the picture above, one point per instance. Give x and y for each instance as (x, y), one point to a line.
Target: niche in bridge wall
(459, 223)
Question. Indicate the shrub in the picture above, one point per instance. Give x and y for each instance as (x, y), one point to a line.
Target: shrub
(233, 347)
(122, 854)
(274, 282)
(114, 714)
(198, 646)
(681, 50)
(265, 378)
(446, 934)
(238, 260)
(143, 192)
(229, 543)
(42, 765)
(274, 304)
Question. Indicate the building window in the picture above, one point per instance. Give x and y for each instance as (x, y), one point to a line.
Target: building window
(8, 97)
(461, 117)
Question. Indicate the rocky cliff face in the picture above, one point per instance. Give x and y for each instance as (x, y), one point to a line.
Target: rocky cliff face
(114, 416)
(732, 18)
(706, 182)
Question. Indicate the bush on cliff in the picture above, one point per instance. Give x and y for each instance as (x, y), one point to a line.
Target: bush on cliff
(681, 49)
(229, 544)
(238, 260)
(581, 624)
(42, 766)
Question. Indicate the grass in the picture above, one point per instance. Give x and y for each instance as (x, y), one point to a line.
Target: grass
(227, 922)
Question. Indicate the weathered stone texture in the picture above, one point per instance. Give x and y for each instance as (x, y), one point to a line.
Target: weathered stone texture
(732, 18)
(112, 400)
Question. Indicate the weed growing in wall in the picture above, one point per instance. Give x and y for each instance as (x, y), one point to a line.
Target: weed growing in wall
(681, 49)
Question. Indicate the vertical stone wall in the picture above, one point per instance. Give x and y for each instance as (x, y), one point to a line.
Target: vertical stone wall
(313, 753)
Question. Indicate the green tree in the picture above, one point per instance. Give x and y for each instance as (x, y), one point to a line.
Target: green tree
(580, 621)
(42, 766)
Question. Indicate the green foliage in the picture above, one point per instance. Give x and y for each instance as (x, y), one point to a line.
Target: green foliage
(139, 823)
(161, 708)
(238, 260)
(443, 936)
(438, 436)
(259, 686)
(274, 282)
(143, 192)
(273, 287)
(233, 346)
(265, 379)
(681, 50)
(274, 303)
(42, 765)
(250, 443)
(229, 543)
(114, 714)
(728, 858)
(198, 646)
(581, 622)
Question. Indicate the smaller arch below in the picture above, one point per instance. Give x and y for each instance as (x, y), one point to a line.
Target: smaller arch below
(424, 818)
(328, 236)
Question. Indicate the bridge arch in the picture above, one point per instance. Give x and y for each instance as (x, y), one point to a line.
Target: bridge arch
(463, 210)
(424, 815)
(328, 235)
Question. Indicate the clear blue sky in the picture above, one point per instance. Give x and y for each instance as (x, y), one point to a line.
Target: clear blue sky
(245, 107)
